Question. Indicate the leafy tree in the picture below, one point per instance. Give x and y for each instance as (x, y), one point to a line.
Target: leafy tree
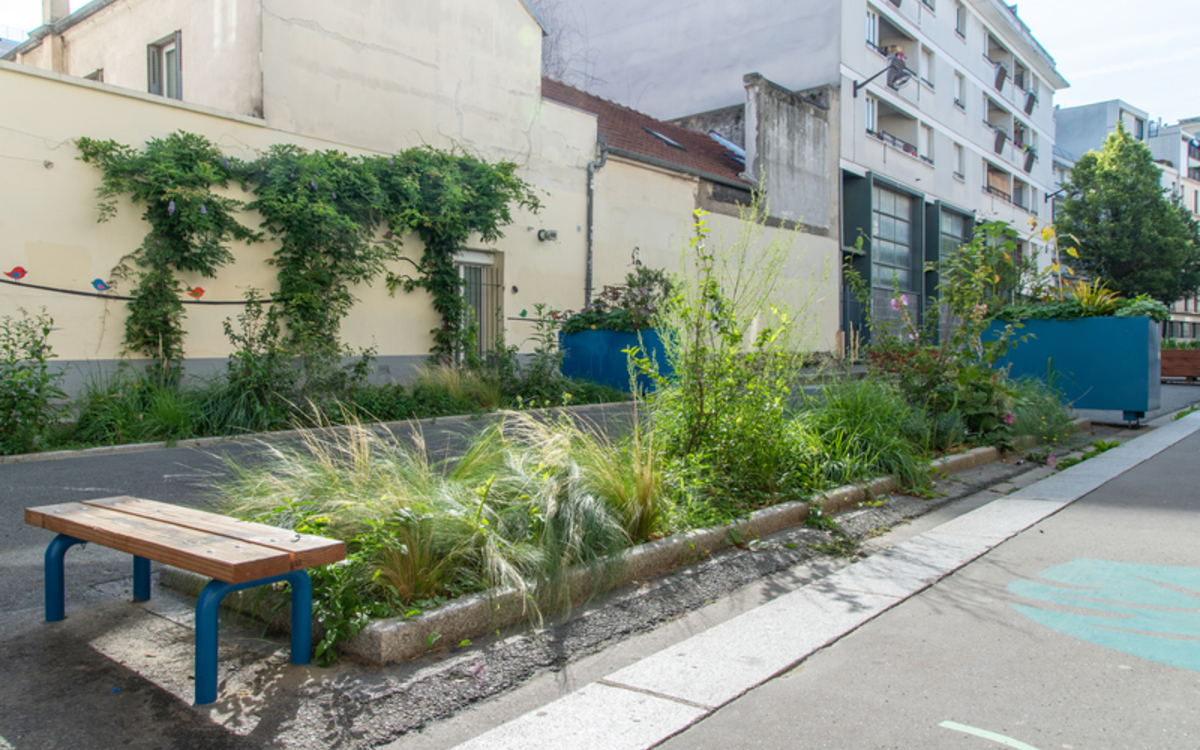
(1127, 232)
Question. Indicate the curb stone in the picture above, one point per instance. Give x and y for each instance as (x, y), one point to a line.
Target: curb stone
(400, 639)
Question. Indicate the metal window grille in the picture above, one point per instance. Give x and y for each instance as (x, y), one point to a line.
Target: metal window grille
(483, 288)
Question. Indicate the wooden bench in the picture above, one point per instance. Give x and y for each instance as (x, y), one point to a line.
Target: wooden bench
(235, 554)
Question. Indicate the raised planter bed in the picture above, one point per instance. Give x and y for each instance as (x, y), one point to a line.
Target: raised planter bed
(402, 639)
(1110, 364)
(599, 356)
(1181, 363)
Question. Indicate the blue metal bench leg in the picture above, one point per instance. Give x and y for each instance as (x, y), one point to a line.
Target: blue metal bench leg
(56, 578)
(206, 626)
(141, 579)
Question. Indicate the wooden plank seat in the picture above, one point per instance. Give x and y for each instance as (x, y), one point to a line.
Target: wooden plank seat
(235, 554)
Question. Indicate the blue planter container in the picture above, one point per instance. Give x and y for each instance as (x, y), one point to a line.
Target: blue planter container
(1098, 363)
(599, 356)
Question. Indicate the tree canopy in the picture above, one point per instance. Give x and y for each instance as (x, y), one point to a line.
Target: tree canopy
(1127, 231)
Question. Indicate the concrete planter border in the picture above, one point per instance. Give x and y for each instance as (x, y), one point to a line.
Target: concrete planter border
(402, 639)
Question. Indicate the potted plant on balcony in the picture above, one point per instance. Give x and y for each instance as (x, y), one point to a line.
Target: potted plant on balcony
(1030, 157)
(594, 340)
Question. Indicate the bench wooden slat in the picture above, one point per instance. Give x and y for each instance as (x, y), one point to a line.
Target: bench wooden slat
(212, 555)
(306, 550)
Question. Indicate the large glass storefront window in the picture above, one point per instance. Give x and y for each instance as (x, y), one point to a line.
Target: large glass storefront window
(893, 239)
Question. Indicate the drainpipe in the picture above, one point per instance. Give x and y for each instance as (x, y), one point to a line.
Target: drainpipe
(591, 212)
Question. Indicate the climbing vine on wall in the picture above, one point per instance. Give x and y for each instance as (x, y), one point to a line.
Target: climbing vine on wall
(324, 207)
(190, 226)
(446, 198)
(327, 210)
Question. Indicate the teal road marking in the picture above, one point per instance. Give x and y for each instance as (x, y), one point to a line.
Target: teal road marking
(999, 738)
(1151, 611)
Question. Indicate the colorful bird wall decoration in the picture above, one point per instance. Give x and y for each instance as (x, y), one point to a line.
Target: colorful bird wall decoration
(17, 273)
(196, 293)
(100, 285)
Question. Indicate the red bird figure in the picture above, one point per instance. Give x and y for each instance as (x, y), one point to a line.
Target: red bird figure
(17, 273)
(196, 293)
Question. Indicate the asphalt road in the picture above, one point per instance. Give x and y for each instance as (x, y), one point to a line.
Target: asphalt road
(1081, 632)
(182, 475)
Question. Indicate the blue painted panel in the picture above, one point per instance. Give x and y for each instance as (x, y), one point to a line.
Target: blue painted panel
(1098, 363)
(599, 356)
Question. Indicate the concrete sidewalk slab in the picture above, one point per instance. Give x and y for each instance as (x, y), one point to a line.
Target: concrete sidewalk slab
(999, 519)
(905, 568)
(716, 666)
(630, 721)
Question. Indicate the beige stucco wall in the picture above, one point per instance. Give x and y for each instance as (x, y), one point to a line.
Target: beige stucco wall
(49, 220)
(643, 207)
(220, 43)
(393, 75)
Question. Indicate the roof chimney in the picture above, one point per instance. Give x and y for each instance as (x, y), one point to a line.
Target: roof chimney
(54, 11)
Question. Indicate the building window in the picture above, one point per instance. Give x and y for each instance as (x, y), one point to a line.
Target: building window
(893, 239)
(873, 29)
(926, 144)
(164, 67)
(929, 4)
(960, 20)
(960, 91)
(96, 75)
(960, 162)
(927, 66)
(872, 109)
(483, 291)
(1139, 128)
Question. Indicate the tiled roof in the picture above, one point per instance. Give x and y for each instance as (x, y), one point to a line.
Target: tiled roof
(630, 130)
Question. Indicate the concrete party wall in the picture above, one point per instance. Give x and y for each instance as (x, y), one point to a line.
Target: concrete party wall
(49, 222)
(643, 207)
(219, 57)
(390, 75)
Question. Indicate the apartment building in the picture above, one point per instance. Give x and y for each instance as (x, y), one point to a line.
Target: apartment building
(967, 138)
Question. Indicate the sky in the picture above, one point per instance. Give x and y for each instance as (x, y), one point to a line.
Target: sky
(1143, 52)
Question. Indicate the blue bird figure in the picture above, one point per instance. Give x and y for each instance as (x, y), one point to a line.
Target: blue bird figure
(100, 285)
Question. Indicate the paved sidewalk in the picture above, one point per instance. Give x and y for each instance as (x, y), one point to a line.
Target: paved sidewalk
(1065, 615)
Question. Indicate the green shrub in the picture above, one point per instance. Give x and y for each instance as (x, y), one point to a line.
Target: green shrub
(28, 385)
(132, 407)
(512, 511)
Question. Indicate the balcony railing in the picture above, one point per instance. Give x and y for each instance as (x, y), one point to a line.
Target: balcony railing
(927, 159)
(873, 46)
(1193, 151)
(1194, 174)
(959, 103)
(998, 193)
(894, 142)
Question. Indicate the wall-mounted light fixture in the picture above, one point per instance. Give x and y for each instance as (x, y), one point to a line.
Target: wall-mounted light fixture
(547, 235)
(898, 73)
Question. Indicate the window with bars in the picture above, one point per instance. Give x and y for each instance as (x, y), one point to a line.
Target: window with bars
(483, 289)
